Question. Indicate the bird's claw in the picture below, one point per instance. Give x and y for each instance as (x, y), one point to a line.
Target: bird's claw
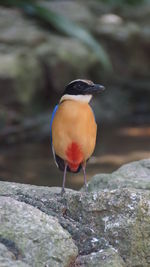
(86, 188)
(62, 192)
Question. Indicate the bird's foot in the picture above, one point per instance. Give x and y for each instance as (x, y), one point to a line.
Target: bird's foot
(86, 187)
(62, 192)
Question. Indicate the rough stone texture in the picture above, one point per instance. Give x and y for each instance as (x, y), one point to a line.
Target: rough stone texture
(104, 258)
(33, 237)
(131, 175)
(7, 258)
(113, 224)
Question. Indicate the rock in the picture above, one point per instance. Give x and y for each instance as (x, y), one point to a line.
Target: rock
(33, 237)
(111, 223)
(34, 69)
(103, 258)
(36, 64)
(30, 56)
(75, 11)
(18, 37)
(63, 61)
(18, 78)
(131, 175)
(7, 258)
(129, 36)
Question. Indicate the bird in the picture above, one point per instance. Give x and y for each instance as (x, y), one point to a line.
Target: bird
(73, 128)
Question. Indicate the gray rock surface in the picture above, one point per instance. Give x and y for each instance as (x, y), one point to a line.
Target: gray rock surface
(132, 175)
(105, 258)
(34, 68)
(31, 59)
(75, 11)
(7, 258)
(110, 227)
(33, 237)
(36, 64)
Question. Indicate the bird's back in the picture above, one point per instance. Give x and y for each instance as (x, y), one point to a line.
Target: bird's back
(74, 131)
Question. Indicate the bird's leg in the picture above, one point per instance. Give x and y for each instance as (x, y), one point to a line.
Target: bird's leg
(84, 172)
(64, 179)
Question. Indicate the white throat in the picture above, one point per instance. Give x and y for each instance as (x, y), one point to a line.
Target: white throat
(81, 98)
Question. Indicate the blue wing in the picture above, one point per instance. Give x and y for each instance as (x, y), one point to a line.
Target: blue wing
(53, 115)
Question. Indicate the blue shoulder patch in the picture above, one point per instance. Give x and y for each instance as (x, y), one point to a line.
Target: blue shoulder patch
(53, 115)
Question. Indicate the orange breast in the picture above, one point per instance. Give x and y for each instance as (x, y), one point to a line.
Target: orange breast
(74, 132)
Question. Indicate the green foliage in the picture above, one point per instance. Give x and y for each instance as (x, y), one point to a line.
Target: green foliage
(62, 25)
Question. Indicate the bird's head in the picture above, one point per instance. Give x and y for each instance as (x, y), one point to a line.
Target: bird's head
(81, 90)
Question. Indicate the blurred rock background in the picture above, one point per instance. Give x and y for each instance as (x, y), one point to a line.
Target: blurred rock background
(39, 56)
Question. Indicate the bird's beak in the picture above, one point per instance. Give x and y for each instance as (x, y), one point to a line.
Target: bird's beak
(98, 88)
(95, 88)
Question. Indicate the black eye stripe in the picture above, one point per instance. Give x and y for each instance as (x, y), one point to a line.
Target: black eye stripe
(77, 88)
(77, 84)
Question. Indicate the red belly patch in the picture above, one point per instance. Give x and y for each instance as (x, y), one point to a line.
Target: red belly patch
(74, 156)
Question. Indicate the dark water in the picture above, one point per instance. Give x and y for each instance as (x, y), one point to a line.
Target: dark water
(33, 163)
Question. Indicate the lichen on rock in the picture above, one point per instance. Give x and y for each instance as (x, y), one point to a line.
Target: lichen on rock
(111, 224)
(39, 238)
(132, 175)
